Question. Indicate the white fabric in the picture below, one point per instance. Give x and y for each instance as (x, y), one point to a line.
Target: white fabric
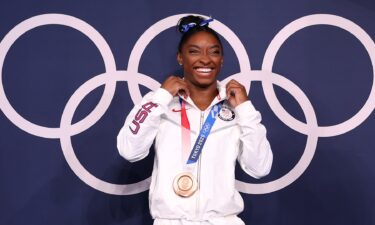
(217, 201)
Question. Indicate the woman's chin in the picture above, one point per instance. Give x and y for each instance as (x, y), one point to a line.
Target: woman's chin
(204, 83)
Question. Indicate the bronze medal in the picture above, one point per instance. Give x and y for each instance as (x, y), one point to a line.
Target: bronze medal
(184, 184)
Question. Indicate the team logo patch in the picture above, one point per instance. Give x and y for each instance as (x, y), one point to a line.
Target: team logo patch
(226, 113)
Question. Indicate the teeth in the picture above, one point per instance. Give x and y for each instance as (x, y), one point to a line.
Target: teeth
(204, 70)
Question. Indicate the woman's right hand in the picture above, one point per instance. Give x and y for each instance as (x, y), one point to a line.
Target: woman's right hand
(176, 85)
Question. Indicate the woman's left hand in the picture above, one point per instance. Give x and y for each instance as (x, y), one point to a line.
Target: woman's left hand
(236, 93)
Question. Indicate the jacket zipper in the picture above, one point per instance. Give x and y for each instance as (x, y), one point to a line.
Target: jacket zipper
(199, 169)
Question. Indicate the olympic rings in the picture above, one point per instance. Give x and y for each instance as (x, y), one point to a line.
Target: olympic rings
(134, 78)
(95, 37)
(66, 144)
(280, 38)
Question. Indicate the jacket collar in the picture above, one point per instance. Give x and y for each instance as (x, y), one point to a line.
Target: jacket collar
(222, 95)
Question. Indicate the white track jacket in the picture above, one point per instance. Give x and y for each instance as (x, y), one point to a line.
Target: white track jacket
(157, 119)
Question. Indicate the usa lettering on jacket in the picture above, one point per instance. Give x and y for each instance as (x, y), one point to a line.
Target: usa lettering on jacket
(141, 116)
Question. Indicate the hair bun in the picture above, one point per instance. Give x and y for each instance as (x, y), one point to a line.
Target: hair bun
(190, 25)
(189, 20)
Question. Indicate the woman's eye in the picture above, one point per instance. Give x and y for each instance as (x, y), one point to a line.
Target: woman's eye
(193, 51)
(216, 52)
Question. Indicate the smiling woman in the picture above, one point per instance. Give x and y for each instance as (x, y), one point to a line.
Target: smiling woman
(201, 58)
(195, 185)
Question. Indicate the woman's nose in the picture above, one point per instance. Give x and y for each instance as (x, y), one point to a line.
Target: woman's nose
(205, 59)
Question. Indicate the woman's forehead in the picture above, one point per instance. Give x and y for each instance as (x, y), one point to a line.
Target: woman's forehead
(203, 39)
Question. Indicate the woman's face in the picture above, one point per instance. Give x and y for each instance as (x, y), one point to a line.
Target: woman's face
(201, 56)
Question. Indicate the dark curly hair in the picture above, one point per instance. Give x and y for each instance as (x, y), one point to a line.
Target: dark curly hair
(197, 20)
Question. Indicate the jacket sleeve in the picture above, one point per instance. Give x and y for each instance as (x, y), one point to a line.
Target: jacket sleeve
(141, 125)
(255, 155)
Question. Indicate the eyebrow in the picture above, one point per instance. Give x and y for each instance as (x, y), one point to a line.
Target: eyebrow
(196, 46)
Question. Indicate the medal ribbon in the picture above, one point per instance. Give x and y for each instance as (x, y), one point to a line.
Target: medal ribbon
(203, 134)
(185, 131)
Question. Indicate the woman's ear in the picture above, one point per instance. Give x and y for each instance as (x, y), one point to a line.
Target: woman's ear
(179, 59)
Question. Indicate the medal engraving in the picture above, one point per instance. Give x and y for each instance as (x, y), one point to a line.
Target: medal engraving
(184, 184)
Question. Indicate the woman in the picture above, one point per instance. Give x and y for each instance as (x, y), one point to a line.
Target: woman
(199, 128)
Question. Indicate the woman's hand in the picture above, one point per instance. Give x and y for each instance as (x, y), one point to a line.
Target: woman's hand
(236, 93)
(176, 85)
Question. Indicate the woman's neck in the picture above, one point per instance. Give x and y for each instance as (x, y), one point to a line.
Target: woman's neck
(202, 97)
